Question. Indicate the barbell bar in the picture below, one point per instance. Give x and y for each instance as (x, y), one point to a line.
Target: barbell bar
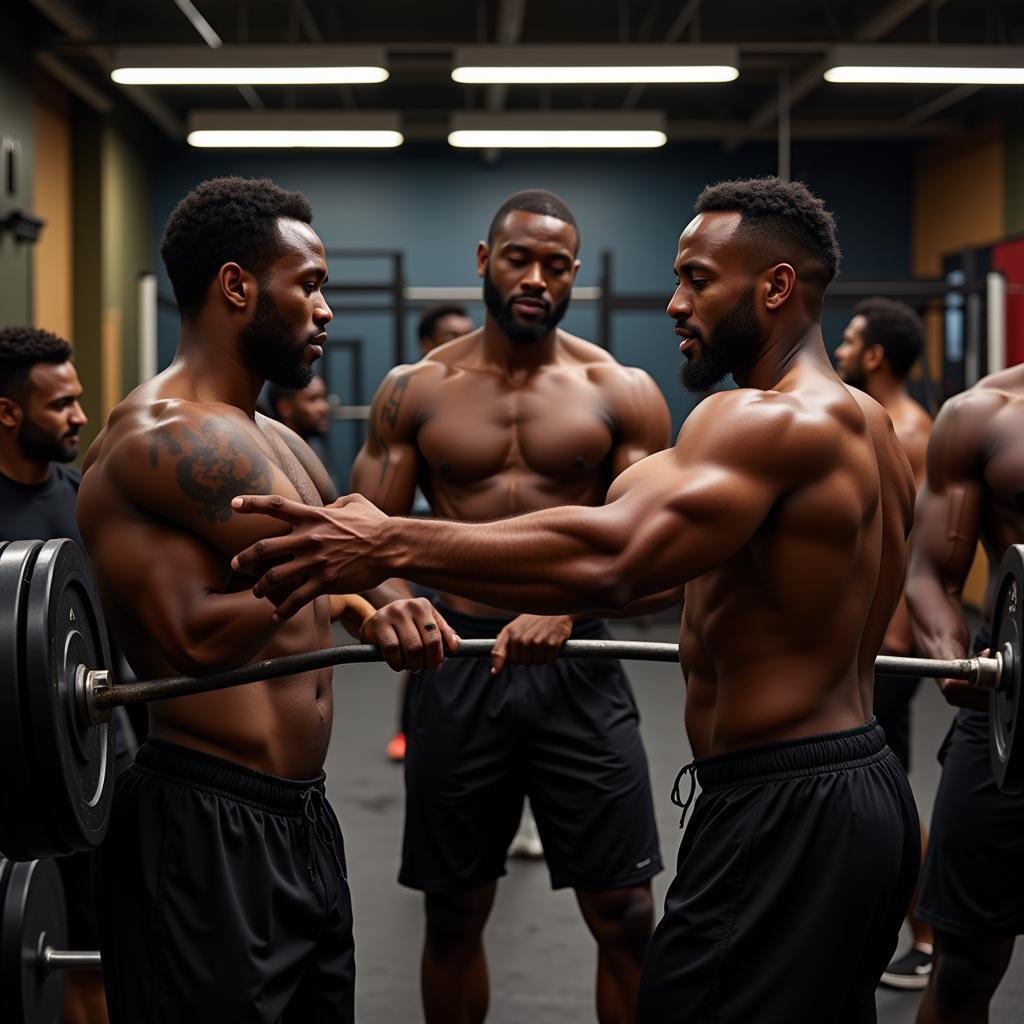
(57, 694)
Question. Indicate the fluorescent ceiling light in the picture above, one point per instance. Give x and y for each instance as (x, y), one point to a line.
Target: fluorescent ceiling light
(927, 65)
(555, 130)
(555, 65)
(249, 65)
(269, 129)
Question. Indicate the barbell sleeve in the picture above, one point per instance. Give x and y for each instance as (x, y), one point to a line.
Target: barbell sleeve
(101, 695)
(70, 959)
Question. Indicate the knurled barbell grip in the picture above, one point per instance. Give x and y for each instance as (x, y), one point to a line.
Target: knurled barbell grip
(100, 696)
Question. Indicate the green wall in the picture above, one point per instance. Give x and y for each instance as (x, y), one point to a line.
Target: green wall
(1015, 178)
(17, 114)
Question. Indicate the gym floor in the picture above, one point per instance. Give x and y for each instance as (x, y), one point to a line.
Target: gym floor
(540, 953)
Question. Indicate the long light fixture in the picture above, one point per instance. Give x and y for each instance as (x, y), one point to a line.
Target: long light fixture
(557, 65)
(556, 130)
(271, 129)
(249, 65)
(927, 65)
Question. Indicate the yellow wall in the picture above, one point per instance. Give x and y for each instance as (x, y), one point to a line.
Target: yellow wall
(52, 296)
(959, 197)
(959, 203)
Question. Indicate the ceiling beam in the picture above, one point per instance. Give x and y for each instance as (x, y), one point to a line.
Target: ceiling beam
(78, 28)
(878, 25)
(511, 15)
(946, 100)
(676, 29)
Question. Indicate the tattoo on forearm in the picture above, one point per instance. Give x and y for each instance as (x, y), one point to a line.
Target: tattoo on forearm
(217, 464)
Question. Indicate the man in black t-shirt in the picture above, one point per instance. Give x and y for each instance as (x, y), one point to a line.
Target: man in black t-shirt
(41, 417)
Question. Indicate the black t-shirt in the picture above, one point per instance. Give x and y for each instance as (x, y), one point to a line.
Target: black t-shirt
(40, 511)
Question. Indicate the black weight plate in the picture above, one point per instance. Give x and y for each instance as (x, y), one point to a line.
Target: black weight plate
(73, 760)
(32, 913)
(23, 834)
(1006, 745)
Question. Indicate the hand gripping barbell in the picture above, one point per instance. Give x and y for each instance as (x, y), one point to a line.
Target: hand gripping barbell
(57, 695)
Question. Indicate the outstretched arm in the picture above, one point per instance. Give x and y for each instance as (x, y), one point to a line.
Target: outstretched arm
(668, 519)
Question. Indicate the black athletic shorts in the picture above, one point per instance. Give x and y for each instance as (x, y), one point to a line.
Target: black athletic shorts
(973, 879)
(793, 878)
(565, 735)
(893, 695)
(223, 896)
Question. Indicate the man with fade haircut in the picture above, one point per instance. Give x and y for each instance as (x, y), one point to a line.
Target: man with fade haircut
(880, 346)
(784, 507)
(441, 324)
(222, 877)
(519, 415)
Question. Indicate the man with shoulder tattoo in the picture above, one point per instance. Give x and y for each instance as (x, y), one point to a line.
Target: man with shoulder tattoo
(223, 874)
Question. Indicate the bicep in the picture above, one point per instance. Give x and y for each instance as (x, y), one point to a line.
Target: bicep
(385, 468)
(947, 522)
(682, 524)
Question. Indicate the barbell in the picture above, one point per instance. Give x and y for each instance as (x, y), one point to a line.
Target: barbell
(57, 694)
(33, 934)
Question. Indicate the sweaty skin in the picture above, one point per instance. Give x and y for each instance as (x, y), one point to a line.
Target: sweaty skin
(154, 510)
(488, 427)
(784, 507)
(972, 492)
(155, 513)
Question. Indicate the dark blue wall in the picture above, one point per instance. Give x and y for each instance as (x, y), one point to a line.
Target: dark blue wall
(434, 204)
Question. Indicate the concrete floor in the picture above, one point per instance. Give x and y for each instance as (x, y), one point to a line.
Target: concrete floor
(540, 953)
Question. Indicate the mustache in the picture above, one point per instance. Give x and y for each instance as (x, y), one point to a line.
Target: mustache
(533, 298)
(684, 325)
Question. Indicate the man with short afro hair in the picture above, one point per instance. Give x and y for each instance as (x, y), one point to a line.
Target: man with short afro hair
(225, 219)
(222, 875)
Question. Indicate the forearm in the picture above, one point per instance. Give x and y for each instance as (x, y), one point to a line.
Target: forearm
(937, 619)
(388, 591)
(553, 562)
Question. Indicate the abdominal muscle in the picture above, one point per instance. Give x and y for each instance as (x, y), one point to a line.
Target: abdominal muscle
(279, 726)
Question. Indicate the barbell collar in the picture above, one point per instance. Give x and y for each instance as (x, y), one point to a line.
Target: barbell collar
(985, 673)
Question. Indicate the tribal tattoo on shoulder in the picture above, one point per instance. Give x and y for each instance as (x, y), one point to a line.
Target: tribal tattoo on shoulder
(215, 464)
(388, 415)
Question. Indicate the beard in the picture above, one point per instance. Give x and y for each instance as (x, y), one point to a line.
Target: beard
(733, 340)
(854, 376)
(271, 348)
(39, 446)
(513, 329)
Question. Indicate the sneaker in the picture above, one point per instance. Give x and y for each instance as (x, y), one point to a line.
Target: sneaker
(526, 844)
(911, 970)
(396, 747)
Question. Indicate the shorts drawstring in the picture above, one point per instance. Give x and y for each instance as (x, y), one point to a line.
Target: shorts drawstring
(689, 769)
(320, 825)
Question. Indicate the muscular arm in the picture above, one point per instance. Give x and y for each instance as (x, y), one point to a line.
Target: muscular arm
(669, 518)
(181, 472)
(385, 468)
(947, 522)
